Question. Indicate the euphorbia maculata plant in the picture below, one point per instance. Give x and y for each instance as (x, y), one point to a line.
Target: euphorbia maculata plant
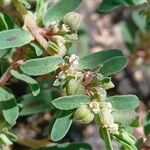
(34, 44)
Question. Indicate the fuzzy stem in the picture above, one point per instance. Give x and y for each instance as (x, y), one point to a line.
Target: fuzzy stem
(106, 138)
(30, 23)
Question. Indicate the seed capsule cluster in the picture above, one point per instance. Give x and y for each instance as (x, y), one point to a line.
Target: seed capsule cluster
(61, 35)
(90, 83)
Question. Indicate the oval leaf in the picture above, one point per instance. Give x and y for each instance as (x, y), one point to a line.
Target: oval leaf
(70, 102)
(126, 117)
(14, 38)
(56, 12)
(62, 125)
(114, 65)
(8, 105)
(124, 101)
(37, 48)
(93, 60)
(41, 66)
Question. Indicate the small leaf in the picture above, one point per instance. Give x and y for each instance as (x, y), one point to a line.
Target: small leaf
(11, 114)
(41, 66)
(126, 117)
(37, 48)
(93, 60)
(40, 103)
(114, 65)
(123, 101)
(8, 105)
(70, 102)
(128, 34)
(62, 125)
(67, 146)
(35, 88)
(14, 38)
(62, 7)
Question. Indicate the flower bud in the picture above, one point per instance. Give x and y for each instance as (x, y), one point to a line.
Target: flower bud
(74, 87)
(106, 119)
(72, 20)
(94, 105)
(99, 93)
(84, 115)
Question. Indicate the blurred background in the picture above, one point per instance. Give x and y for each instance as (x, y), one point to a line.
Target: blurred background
(124, 28)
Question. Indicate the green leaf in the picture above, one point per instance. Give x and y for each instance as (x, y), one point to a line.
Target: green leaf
(57, 11)
(108, 5)
(37, 48)
(70, 102)
(126, 117)
(67, 146)
(140, 20)
(123, 101)
(35, 88)
(114, 65)
(62, 125)
(14, 38)
(8, 105)
(41, 66)
(40, 103)
(128, 33)
(11, 114)
(93, 60)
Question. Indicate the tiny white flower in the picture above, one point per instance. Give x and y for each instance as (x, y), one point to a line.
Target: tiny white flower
(94, 105)
(113, 128)
(74, 59)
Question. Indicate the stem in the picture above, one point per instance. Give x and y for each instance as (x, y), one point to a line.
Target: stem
(32, 143)
(106, 138)
(30, 23)
(17, 57)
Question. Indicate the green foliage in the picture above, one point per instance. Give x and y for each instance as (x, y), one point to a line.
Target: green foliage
(62, 125)
(93, 60)
(14, 38)
(37, 49)
(70, 102)
(41, 66)
(8, 106)
(122, 102)
(82, 83)
(56, 12)
(107, 5)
